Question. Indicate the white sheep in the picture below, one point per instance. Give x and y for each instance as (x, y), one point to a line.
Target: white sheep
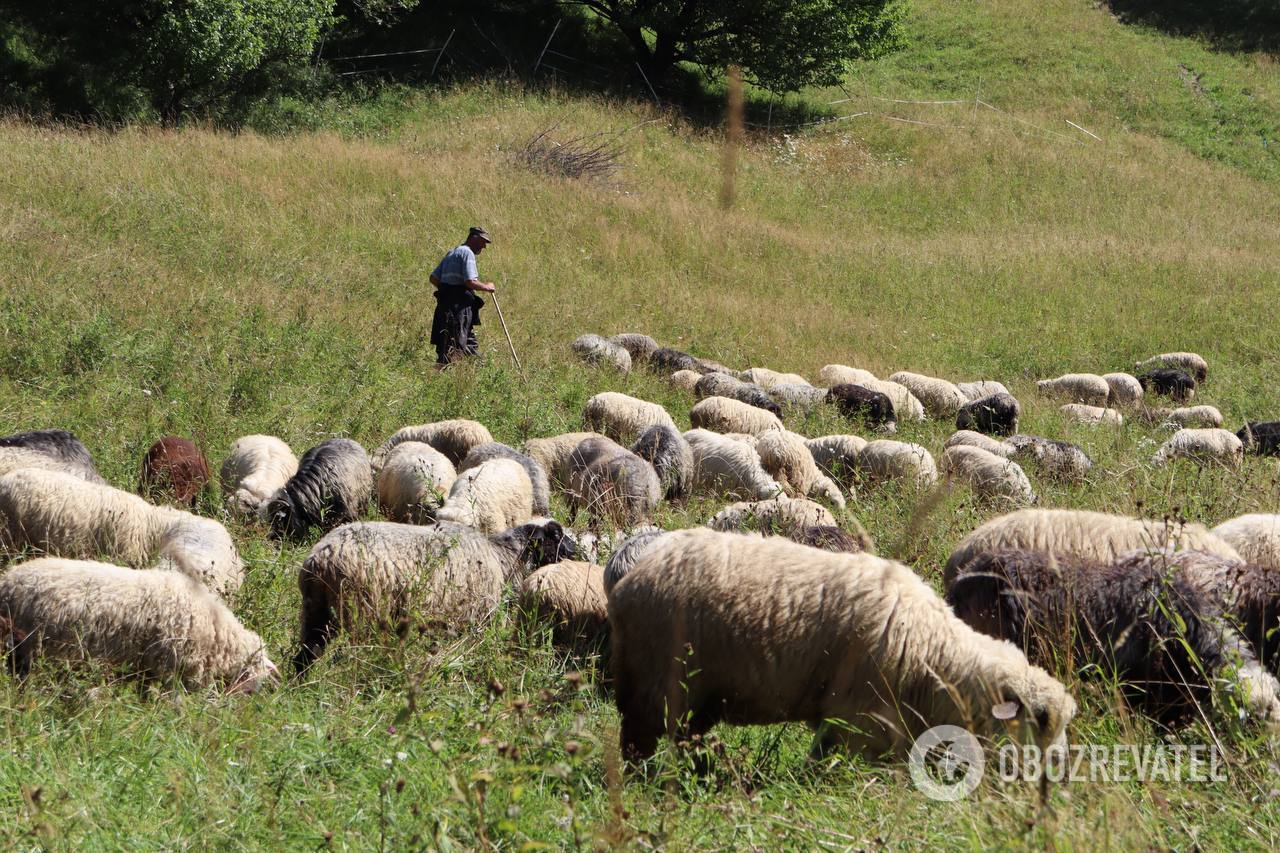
(1060, 459)
(785, 456)
(722, 414)
(721, 464)
(766, 378)
(988, 475)
(837, 455)
(1125, 390)
(1185, 416)
(538, 475)
(906, 406)
(626, 555)
(974, 391)
(570, 597)
(16, 458)
(885, 459)
(413, 483)
(779, 512)
(686, 379)
(158, 623)
(941, 399)
(623, 418)
(1205, 446)
(493, 496)
(454, 438)
(552, 453)
(969, 438)
(803, 398)
(1091, 415)
(1256, 537)
(1188, 361)
(638, 346)
(256, 468)
(832, 375)
(715, 626)
(1086, 388)
(594, 349)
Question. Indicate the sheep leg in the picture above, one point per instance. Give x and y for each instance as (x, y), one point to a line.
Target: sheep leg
(319, 624)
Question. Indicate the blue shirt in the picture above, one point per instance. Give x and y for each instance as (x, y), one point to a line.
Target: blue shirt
(458, 267)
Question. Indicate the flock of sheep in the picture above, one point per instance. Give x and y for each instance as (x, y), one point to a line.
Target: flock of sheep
(777, 610)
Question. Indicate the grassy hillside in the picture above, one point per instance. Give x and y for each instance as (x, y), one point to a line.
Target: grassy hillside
(213, 285)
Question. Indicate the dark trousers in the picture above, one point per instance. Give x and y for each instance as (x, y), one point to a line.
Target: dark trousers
(453, 324)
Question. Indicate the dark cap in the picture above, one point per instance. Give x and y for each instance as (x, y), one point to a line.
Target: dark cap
(477, 231)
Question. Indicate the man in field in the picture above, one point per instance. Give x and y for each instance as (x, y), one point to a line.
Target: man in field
(457, 279)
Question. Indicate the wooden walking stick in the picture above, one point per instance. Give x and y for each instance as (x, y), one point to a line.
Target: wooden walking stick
(503, 321)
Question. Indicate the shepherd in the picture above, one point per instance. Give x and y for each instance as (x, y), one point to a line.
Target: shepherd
(457, 279)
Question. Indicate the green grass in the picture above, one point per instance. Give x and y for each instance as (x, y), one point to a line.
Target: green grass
(214, 285)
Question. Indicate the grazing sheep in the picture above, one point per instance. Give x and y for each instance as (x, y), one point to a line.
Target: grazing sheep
(997, 415)
(1126, 390)
(174, 466)
(1156, 632)
(723, 414)
(161, 624)
(941, 399)
(378, 570)
(745, 438)
(707, 365)
(832, 375)
(982, 388)
(623, 418)
(898, 460)
(1262, 438)
(781, 513)
(553, 453)
(1086, 388)
(724, 385)
(1186, 361)
(613, 482)
(988, 475)
(594, 349)
(686, 379)
(766, 378)
(1255, 537)
(787, 459)
(803, 398)
(1248, 592)
(665, 449)
(495, 495)
(1081, 533)
(624, 558)
(257, 467)
(413, 483)
(721, 464)
(874, 408)
(906, 406)
(837, 455)
(1168, 382)
(1060, 459)
(1204, 446)
(718, 626)
(668, 360)
(61, 445)
(638, 346)
(453, 438)
(1185, 416)
(61, 515)
(834, 539)
(538, 477)
(570, 597)
(969, 438)
(332, 486)
(1091, 415)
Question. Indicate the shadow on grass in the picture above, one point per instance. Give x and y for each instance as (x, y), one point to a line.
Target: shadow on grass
(1226, 24)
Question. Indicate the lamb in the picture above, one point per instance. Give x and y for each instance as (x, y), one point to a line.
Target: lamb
(1060, 459)
(413, 483)
(553, 453)
(61, 515)
(1091, 415)
(378, 570)
(1126, 390)
(803, 398)
(858, 401)
(686, 379)
(613, 482)
(666, 360)
(1156, 632)
(1080, 533)
(594, 349)
(160, 624)
(718, 626)
(969, 438)
(671, 457)
(638, 346)
(174, 466)
(570, 597)
(722, 414)
(982, 388)
(787, 459)
(256, 468)
(1086, 388)
(997, 414)
(1255, 537)
(1262, 438)
(837, 455)
(941, 399)
(832, 375)
(453, 438)
(721, 464)
(1204, 446)
(495, 495)
(988, 475)
(724, 385)
(61, 445)
(1186, 361)
(625, 557)
(538, 476)
(884, 460)
(623, 418)
(332, 486)
(1168, 382)
(766, 378)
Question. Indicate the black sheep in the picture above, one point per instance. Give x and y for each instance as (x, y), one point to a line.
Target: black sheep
(874, 407)
(1168, 382)
(1262, 438)
(332, 486)
(59, 444)
(993, 415)
(668, 360)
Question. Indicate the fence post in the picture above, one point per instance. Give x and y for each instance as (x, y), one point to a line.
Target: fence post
(442, 50)
(545, 46)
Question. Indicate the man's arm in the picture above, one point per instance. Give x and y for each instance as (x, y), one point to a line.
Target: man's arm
(435, 282)
(477, 284)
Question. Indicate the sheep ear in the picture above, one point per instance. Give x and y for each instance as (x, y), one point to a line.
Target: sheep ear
(1006, 710)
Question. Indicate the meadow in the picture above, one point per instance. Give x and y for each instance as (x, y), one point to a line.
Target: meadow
(213, 284)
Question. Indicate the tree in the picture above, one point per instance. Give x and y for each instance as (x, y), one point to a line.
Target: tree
(781, 45)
